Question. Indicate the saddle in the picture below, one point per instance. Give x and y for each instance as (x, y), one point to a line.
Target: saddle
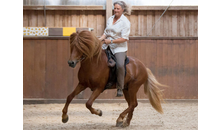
(112, 64)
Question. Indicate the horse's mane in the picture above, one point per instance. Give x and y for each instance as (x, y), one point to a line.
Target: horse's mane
(86, 43)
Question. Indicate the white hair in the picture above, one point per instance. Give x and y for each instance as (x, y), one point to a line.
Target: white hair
(126, 7)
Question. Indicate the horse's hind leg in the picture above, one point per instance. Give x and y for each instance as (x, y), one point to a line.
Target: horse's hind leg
(76, 91)
(92, 98)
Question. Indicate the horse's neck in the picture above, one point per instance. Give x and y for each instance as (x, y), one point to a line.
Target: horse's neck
(94, 62)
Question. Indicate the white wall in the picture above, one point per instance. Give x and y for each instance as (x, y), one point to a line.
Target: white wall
(162, 2)
(103, 2)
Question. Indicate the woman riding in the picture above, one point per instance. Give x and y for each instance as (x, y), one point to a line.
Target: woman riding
(116, 35)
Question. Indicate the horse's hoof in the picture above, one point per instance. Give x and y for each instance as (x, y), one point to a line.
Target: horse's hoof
(125, 124)
(119, 124)
(64, 120)
(100, 114)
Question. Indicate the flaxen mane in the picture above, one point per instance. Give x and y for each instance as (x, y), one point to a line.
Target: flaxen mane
(86, 43)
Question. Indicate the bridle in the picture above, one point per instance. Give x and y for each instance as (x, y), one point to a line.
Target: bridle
(73, 63)
(82, 58)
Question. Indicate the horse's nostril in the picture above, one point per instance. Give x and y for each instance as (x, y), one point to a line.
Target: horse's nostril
(70, 62)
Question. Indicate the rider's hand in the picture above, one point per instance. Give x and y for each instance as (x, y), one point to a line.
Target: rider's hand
(107, 41)
(100, 39)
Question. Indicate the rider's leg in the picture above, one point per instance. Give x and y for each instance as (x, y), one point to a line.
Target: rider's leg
(120, 61)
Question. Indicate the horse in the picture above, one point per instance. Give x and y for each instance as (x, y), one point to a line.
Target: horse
(86, 48)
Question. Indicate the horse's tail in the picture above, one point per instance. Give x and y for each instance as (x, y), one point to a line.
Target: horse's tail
(154, 93)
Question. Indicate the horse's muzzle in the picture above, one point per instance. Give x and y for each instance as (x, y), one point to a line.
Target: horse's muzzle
(72, 63)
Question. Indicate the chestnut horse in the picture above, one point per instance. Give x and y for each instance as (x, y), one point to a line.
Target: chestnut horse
(94, 73)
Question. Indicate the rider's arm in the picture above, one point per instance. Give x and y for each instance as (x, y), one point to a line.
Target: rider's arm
(102, 37)
(119, 40)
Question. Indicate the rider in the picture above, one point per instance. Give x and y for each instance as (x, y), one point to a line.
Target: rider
(116, 35)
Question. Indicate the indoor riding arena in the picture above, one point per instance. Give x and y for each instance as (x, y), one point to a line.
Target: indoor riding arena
(163, 36)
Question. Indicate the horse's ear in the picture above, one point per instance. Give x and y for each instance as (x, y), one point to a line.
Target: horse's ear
(72, 37)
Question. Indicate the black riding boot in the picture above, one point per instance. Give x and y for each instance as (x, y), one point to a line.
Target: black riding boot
(119, 93)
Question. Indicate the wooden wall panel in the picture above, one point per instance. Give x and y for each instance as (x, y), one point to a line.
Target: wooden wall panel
(46, 74)
(34, 68)
(66, 18)
(40, 18)
(173, 62)
(174, 23)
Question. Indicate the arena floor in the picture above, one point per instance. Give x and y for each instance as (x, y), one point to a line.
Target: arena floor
(177, 116)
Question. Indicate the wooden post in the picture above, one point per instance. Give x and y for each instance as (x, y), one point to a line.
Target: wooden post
(108, 9)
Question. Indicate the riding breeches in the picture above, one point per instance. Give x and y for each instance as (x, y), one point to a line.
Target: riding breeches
(120, 61)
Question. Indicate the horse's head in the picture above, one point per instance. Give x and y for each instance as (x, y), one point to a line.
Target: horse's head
(83, 45)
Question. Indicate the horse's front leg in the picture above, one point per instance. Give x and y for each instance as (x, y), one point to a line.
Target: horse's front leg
(77, 90)
(132, 103)
(92, 98)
